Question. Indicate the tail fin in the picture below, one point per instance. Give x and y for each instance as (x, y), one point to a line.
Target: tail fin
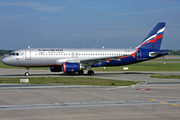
(154, 38)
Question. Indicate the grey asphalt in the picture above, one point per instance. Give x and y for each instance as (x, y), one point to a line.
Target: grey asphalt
(157, 99)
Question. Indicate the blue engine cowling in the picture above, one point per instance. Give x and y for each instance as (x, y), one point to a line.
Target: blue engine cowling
(70, 67)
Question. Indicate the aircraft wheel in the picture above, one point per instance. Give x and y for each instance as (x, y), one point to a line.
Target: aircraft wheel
(26, 74)
(81, 72)
(90, 72)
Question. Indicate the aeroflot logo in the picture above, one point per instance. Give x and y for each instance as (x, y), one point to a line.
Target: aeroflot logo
(50, 49)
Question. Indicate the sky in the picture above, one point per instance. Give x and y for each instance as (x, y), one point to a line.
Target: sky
(86, 23)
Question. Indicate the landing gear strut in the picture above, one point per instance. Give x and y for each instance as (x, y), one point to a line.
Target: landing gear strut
(27, 71)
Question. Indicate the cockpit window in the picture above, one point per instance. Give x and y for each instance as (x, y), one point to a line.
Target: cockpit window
(11, 54)
(14, 54)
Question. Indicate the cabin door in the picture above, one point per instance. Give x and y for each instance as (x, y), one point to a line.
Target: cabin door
(28, 54)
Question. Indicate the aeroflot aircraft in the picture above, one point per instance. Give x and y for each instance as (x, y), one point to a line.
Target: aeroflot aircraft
(76, 60)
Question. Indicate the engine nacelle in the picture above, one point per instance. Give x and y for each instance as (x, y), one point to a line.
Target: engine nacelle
(56, 69)
(71, 67)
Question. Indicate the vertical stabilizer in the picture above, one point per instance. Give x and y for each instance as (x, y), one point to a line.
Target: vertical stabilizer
(154, 38)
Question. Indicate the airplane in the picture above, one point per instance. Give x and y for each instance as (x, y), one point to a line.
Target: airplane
(76, 60)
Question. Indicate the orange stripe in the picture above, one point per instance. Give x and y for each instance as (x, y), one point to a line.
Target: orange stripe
(64, 67)
(123, 57)
(109, 59)
(134, 54)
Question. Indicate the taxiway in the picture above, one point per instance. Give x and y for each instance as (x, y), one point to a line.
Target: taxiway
(156, 99)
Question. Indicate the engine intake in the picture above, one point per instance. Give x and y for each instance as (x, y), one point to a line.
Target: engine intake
(71, 67)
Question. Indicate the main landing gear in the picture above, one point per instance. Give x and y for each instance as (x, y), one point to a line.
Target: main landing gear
(27, 71)
(81, 72)
(90, 72)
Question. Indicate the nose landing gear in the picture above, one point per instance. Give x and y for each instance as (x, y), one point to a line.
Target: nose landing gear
(27, 71)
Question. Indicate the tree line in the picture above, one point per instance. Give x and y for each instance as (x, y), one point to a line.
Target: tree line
(173, 52)
(2, 52)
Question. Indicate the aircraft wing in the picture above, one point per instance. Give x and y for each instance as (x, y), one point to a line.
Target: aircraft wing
(91, 61)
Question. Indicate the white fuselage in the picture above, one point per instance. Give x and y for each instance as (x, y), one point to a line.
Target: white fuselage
(35, 57)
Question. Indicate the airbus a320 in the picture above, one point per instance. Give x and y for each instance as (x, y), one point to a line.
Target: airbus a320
(74, 60)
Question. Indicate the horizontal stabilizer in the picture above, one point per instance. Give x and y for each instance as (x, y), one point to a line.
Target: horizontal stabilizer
(153, 54)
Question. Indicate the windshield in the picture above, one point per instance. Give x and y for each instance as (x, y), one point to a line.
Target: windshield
(14, 54)
(11, 53)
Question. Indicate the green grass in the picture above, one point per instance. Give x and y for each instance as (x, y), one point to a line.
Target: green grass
(166, 76)
(165, 60)
(70, 81)
(144, 67)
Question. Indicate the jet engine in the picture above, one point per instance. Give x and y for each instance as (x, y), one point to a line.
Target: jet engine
(56, 69)
(71, 67)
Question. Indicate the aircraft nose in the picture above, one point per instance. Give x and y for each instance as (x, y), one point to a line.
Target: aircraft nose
(5, 60)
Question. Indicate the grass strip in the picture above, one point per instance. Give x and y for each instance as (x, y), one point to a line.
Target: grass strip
(166, 76)
(70, 81)
(144, 67)
(165, 60)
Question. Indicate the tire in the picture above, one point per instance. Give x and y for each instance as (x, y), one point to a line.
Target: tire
(26, 74)
(81, 72)
(90, 72)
